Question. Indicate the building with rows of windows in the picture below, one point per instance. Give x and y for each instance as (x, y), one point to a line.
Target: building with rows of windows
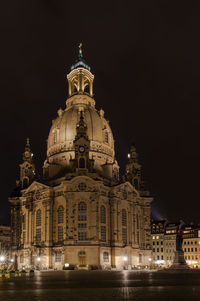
(191, 245)
(80, 213)
(164, 236)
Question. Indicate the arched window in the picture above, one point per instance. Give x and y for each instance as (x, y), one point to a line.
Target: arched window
(38, 217)
(105, 256)
(81, 163)
(103, 214)
(60, 214)
(124, 219)
(82, 211)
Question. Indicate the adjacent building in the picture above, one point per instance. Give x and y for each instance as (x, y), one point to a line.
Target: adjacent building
(164, 238)
(80, 213)
(5, 241)
(191, 245)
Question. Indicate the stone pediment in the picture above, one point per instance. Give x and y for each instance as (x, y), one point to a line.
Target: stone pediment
(124, 191)
(36, 186)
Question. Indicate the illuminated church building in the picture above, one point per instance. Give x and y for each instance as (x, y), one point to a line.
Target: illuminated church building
(80, 213)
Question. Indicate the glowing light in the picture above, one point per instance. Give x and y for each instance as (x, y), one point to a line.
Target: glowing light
(12, 260)
(160, 261)
(2, 258)
(150, 259)
(38, 259)
(66, 265)
(129, 155)
(125, 258)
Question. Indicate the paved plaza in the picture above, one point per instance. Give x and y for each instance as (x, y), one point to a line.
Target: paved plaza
(102, 285)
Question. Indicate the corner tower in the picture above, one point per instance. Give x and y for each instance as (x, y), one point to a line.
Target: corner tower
(27, 168)
(60, 146)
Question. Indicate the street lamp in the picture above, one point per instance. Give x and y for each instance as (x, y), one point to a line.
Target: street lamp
(125, 258)
(38, 259)
(2, 258)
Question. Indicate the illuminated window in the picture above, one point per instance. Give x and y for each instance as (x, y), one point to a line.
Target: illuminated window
(153, 237)
(103, 233)
(58, 256)
(82, 211)
(60, 233)
(38, 217)
(38, 235)
(105, 256)
(60, 214)
(82, 231)
(157, 237)
(103, 214)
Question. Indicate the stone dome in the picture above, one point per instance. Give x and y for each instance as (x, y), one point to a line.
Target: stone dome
(60, 145)
(63, 130)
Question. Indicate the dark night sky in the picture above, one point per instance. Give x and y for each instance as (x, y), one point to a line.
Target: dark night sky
(145, 56)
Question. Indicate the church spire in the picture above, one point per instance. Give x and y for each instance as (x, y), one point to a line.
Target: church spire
(133, 168)
(27, 168)
(27, 155)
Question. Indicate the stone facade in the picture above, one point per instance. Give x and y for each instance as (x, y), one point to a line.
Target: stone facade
(80, 214)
